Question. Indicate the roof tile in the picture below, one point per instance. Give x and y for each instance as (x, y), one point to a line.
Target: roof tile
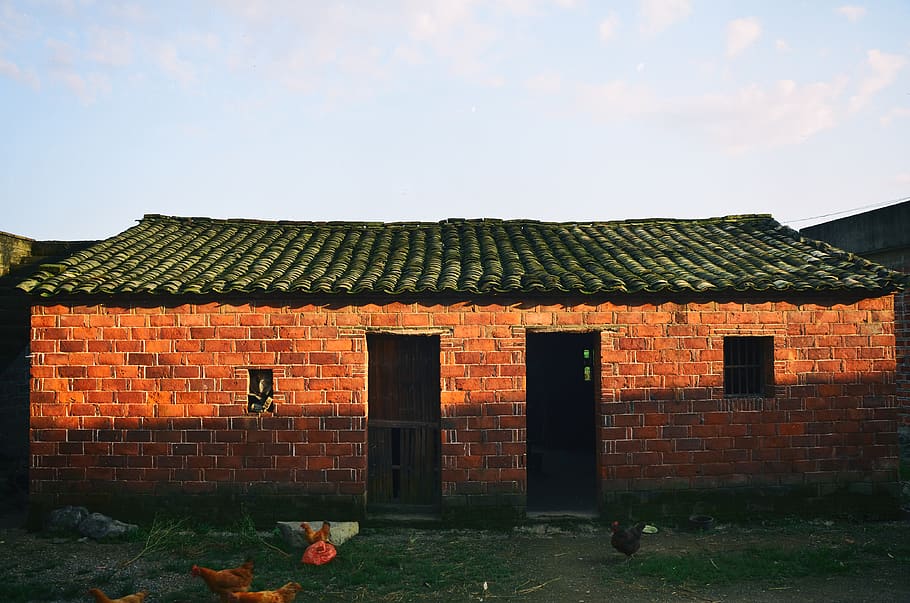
(165, 255)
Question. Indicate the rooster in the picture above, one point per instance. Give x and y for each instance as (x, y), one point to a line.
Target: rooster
(100, 597)
(628, 540)
(323, 533)
(285, 594)
(226, 581)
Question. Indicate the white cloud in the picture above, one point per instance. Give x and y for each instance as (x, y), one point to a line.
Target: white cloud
(884, 71)
(313, 46)
(902, 178)
(64, 6)
(523, 8)
(451, 32)
(894, 114)
(544, 83)
(608, 27)
(13, 22)
(781, 45)
(762, 117)
(128, 11)
(658, 15)
(12, 71)
(742, 33)
(62, 55)
(113, 47)
(753, 117)
(87, 88)
(409, 53)
(439, 18)
(64, 61)
(854, 13)
(202, 40)
(170, 62)
(616, 100)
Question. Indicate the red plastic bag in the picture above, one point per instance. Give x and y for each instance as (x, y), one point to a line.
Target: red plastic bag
(318, 553)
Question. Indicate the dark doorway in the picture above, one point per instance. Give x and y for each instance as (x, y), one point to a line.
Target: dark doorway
(403, 448)
(562, 474)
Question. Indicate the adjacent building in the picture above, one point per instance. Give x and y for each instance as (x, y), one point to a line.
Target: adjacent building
(883, 236)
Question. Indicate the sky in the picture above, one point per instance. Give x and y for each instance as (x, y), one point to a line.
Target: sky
(404, 110)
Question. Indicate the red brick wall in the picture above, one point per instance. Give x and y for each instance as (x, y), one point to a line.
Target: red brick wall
(831, 422)
(151, 399)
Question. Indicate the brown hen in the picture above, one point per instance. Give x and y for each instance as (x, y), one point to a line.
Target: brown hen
(323, 533)
(285, 594)
(100, 597)
(226, 581)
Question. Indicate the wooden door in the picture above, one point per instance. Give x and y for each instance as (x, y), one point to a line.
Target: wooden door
(403, 441)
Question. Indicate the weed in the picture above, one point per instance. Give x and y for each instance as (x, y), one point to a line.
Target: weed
(162, 535)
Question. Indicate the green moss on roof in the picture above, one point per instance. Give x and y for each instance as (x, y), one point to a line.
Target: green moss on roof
(165, 255)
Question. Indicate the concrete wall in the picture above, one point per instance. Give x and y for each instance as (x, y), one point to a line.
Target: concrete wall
(13, 250)
(882, 235)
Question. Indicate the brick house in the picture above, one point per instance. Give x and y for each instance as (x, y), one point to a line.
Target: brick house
(460, 367)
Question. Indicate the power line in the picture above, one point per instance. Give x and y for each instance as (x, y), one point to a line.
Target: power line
(847, 211)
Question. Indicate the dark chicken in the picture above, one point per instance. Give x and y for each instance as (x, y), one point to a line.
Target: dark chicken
(627, 541)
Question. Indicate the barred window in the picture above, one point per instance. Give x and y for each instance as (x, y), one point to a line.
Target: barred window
(748, 366)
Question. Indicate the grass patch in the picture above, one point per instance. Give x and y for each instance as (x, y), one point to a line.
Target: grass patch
(395, 565)
(403, 567)
(726, 567)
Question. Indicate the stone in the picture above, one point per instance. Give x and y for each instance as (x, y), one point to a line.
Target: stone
(293, 534)
(98, 526)
(66, 518)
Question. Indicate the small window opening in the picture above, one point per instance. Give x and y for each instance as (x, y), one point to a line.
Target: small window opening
(261, 391)
(748, 366)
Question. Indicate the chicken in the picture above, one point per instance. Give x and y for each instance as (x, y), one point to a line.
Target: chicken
(226, 581)
(100, 597)
(628, 540)
(285, 594)
(323, 533)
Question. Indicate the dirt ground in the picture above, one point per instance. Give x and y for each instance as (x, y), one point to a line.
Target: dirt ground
(569, 565)
(572, 563)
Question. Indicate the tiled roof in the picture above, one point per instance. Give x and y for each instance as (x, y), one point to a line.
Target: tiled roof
(174, 255)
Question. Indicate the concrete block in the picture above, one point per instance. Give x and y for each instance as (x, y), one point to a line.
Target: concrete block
(293, 534)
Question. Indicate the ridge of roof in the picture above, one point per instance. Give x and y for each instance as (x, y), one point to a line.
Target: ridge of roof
(451, 220)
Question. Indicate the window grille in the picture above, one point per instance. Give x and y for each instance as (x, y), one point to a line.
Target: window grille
(748, 366)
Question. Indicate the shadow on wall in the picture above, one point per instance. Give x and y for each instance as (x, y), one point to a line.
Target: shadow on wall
(14, 436)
